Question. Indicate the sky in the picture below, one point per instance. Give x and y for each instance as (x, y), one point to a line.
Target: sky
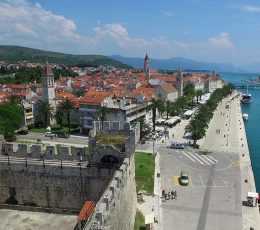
(203, 30)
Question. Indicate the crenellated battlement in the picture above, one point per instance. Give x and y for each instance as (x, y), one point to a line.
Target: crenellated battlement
(39, 151)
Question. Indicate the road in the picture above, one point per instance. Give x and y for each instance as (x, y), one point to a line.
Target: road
(72, 140)
(212, 200)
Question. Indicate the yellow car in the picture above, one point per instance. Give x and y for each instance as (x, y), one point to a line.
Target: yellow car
(184, 178)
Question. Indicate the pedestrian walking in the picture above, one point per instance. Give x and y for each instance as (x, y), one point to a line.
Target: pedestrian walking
(172, 193)
(163, 192)
(169, 195)
(165, 196)
(175, 195)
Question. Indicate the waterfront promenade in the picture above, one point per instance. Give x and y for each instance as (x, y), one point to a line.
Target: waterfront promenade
(232, 138)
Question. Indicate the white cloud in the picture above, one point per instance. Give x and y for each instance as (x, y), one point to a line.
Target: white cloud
(182, 45)
(26, 24)
(221, 40)
(167, 13)
(251, 8)
(119, 34)
(25, 30)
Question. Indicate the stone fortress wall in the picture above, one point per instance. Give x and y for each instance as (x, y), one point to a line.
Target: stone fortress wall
(63, 185)
(116, 208)
(54, 184)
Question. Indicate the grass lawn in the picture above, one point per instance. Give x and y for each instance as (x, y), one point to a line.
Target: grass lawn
(111, 139)
(139, 221)
(144, 172)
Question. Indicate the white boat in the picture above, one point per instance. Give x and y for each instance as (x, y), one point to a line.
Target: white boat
(245, 116)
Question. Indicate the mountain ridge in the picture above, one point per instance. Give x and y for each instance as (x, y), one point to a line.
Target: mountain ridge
(11, 54)
(176, 62)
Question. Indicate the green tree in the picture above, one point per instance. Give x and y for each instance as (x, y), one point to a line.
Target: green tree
(102, 111)
(11, 117)
(199, 94)
(46, 112)
(67, 107)
(60, 117)
(168, 108)
(154, 106)
(189, 89)
(145, 128)
(13, 99)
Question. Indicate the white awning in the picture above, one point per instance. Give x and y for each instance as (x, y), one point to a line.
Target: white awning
(188, 112)
(252, 194)
(160, 120)
(149, 219)
(172, 120)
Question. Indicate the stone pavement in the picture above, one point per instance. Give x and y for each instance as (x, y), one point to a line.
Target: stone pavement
(232, 138)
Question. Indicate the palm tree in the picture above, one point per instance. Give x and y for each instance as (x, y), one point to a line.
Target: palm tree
(189, 89)
(168, 108)
(67, 107)
(153, 106)
(102, 111)
(145, 128)
(46, 112)
(198, 94)
(60, 117)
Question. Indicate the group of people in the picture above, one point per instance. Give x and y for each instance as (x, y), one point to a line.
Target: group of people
(169, 195)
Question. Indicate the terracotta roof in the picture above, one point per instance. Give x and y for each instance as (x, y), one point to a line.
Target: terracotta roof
(65, 95)
(94, 99)
(47, 71)
(13, 86)
(169, 88)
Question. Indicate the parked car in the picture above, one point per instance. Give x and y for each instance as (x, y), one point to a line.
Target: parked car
(176, 145)
(63, 135)
(184, 178)
(22, 132)
(50, 134)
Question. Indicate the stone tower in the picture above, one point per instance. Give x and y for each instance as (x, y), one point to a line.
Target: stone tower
(48, 86)
(179, 83)
(146, 66)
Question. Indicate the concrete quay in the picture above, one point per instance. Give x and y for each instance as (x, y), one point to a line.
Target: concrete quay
(232, 138)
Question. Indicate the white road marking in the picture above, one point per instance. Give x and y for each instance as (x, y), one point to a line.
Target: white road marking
(213, 159)
(208, 159)
(203, 159)
(195, 158)
(188, 156)
(202, 181)
(223, 181)
(214, 184)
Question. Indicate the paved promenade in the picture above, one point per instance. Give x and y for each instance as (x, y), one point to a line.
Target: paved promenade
(232, 138)
(215, 197)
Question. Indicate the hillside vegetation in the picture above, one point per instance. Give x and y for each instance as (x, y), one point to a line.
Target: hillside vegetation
(14, 54)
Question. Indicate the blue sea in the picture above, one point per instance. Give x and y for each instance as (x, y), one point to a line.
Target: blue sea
(253, 124)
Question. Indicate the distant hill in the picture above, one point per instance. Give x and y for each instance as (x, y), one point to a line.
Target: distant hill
(175, 63)
(13, 54)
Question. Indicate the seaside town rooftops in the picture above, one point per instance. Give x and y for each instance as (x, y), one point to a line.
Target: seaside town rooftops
(168, 88)
(94, 99)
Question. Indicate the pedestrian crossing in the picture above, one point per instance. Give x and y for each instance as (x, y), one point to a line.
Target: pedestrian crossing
(199, 159)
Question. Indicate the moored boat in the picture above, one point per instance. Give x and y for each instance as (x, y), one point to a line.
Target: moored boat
(247, 98)
(245, 116)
